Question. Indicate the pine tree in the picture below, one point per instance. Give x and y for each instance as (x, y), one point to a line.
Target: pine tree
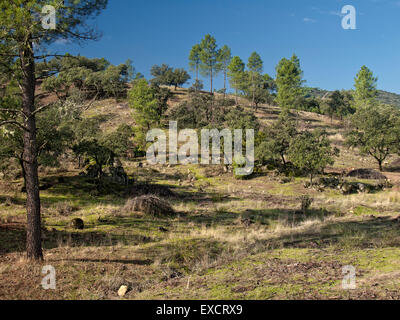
(23, 38)
(209, 58)
(289, 81)
(365, 87)
(255, 66)
(224, 59)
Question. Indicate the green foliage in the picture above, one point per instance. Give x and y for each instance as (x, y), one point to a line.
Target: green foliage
(54, 132)
(339, 104)
(209, 55)
(239, 162)
(365, 87)
(236, 73)
(224, 58)
(289, 82)
(200, 111)
(310, 104)
(165, 75)
(384, 97)
(94, 77)
(311, 152)
(276, 140)
(238, 118)
(374, 130)
(93, 145)
(195, 60)
(255, 66)
(259, 88)
(149, 103)
(197, 86)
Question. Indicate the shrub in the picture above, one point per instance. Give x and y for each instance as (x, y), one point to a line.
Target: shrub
(306, 202)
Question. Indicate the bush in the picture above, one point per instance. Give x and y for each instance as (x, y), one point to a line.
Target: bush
(306, 202)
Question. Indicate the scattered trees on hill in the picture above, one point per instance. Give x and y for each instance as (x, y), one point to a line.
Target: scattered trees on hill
(207, 59)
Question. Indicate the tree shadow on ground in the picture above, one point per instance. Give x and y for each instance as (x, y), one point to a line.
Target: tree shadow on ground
(13, 237)
(370, 233)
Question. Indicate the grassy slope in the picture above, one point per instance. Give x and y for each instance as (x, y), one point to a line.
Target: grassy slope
(207, 252)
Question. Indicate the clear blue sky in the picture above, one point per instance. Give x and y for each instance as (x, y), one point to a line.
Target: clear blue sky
(163, 31)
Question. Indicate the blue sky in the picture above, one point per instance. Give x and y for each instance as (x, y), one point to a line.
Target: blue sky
(163, 31)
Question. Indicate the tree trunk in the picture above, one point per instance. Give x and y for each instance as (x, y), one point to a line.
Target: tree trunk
(283, 160)
(21, 163)
(33, 232)
(380, 165)
(224, 84)
(254, 89)
(211, 78)
(236, 96)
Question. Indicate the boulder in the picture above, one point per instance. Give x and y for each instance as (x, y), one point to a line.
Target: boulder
(368, 174)
(77, 224)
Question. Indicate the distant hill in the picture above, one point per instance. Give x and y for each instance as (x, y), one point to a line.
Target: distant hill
(383, 96)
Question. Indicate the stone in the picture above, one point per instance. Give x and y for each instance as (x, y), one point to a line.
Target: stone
(122, 291)
(77, 224)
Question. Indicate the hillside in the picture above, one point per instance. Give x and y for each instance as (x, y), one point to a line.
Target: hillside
(383, 96)
(229, 240)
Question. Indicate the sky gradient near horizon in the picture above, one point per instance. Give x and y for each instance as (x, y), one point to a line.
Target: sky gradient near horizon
(163, 31)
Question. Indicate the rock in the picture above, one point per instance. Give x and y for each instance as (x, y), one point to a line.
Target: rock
(77, 224)
(122, 291)
(246, 222)
(366, 174)
(361, 187)
(346, 188)
(307, 185)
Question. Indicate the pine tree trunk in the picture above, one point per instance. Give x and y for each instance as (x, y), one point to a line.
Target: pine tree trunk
(21, 163)
(211, 80)
(254, 91)
(224, 84)
(33, 234)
